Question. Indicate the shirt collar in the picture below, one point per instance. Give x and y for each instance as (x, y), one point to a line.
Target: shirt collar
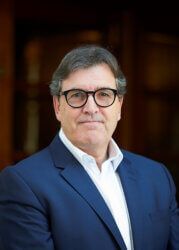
(114, 153)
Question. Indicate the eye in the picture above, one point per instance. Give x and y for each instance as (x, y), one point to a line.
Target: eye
(76, 95)
(104, 93)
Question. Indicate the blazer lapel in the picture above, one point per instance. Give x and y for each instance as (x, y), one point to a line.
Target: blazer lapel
(77, 177)
(131, 187)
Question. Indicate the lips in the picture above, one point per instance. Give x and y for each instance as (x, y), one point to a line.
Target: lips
(91, 124)
(91, 121)
(88, 119)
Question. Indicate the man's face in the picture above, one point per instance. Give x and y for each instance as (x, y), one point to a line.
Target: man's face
(89, 125)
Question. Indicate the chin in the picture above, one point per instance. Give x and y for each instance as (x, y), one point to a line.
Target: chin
(94, 138)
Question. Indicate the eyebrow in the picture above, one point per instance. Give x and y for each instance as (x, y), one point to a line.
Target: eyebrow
(101, 87)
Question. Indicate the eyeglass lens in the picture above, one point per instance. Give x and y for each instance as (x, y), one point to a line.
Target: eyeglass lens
(103, 97)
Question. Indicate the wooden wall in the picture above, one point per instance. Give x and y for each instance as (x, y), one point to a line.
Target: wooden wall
(6, 81)
(31, 46)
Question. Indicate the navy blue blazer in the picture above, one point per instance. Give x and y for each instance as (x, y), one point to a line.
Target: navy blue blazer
(48, 202)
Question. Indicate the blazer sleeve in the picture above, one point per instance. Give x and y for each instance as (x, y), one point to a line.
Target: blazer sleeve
(174, 218)
(23, 219)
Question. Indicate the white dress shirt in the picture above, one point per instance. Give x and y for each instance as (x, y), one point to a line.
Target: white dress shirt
(108, 183)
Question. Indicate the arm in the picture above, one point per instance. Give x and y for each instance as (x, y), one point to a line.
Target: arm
(23, 219)
(174, 219)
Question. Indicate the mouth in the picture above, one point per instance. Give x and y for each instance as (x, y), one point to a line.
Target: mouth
(91, 125)
(91, 122)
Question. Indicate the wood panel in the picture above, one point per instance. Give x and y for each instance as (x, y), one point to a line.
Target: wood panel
(6, 81)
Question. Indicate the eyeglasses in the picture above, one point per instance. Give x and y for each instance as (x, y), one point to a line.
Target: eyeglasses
(77, 98)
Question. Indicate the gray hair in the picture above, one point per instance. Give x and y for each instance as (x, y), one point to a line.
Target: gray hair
(85, 57)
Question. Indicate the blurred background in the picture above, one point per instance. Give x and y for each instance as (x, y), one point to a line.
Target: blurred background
(35, 35)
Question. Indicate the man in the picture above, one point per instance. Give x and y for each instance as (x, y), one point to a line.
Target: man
(82, 192)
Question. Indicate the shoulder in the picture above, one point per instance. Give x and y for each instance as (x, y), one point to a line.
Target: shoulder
(138, 158)
(35, 160)
(148, 171)
(40, 159)
(38, 167)
(145, 166)
(31, 166)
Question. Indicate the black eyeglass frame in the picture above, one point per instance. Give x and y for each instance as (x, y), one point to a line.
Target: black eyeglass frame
(87, 93)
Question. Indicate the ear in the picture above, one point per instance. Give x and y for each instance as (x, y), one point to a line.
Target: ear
(120, 107)
(56, 106)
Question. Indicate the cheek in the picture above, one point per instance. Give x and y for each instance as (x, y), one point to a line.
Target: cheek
(115, 114)
(118, 111)
(67, 117)
(112, 117)
(115, 117)
(58, 116)
(119, 116)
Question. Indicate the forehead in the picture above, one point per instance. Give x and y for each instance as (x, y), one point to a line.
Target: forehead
(90, 78)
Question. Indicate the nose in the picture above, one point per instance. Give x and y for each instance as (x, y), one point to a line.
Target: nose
(90, 107)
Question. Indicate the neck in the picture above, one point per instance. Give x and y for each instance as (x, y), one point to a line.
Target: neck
(99, 154)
